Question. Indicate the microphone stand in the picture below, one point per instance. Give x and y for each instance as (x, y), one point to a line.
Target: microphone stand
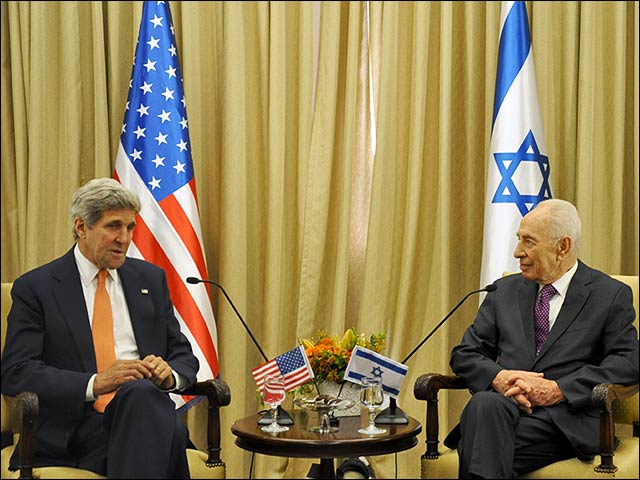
(393, 415)
(283, 417)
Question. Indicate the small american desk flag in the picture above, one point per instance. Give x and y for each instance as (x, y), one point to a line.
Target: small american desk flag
(154, 161)
(293, 365)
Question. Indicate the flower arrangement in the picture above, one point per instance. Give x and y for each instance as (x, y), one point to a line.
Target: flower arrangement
(329, 355)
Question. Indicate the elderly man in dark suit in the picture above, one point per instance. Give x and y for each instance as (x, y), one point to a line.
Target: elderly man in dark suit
(104, 403)
(537, 347)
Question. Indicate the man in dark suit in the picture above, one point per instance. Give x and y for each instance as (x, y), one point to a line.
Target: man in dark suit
(531, 363)
(49, 349)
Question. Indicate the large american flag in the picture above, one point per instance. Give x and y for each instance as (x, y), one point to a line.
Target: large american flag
(293, 365)
(154, 161)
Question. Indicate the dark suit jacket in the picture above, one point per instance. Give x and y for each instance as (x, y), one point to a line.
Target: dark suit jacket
(49, 347)
(592, 341)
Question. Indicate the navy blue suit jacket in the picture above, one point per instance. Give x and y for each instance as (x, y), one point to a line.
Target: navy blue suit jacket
(592, 341)
(49, 347)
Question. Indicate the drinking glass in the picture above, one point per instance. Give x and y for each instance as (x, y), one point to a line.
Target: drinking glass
(273, 394)
(371, 397)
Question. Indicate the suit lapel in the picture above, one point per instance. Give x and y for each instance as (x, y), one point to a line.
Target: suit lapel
(67, 290)
(140, 305)
(526, 299)
(577, 294)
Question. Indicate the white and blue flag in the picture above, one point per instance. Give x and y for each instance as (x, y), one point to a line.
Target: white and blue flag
(518, 171)
(367, 363)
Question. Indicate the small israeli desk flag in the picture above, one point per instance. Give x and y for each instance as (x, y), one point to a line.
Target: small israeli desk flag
(367, 363)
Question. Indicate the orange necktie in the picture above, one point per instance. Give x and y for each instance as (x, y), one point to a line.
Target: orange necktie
(102, 329)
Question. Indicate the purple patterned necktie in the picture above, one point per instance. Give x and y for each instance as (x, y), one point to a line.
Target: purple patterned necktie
(542, 315)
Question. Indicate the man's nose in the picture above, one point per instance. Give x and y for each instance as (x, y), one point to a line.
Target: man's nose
(518, 252)
(124, 235)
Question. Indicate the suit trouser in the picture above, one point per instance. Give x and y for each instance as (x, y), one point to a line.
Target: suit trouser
(138, 436)
(498, 440)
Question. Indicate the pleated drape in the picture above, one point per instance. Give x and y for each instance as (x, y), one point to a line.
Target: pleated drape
(340, 151)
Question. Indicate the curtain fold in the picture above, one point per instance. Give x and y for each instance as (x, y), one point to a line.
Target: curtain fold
(340, 151)
(325, 257)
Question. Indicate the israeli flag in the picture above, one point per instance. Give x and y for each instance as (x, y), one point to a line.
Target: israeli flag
(367, 363)
(518, 172)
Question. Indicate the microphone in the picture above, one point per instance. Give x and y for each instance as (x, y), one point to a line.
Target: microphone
(393, 415)
(283, 416)
(194, 281)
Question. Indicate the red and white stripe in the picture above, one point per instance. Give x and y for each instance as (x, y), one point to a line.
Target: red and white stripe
(293, 379)
(168, 234)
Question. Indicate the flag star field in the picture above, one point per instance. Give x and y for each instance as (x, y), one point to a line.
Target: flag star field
(155, 133)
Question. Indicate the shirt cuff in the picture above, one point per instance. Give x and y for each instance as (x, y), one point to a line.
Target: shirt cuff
(89, 396)
(181, 383)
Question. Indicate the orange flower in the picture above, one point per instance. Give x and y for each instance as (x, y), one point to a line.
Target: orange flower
(329, 356)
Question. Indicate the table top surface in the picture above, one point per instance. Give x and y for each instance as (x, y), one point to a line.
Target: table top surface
(300, 442)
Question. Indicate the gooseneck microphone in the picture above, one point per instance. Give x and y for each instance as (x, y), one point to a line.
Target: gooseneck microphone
(194, 280)
(488, 288)
(393, 414)
(284, 418)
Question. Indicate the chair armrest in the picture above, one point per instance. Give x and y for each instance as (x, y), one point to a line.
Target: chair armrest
(26, 407)
(216, 390)
(602, 396)
(218, 395)
(426, 388)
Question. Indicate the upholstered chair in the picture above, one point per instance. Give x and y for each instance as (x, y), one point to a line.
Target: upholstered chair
(619, 413)
(18, 414)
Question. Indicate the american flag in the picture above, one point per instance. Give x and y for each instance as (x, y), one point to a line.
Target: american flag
(293, 365)
(154, 161)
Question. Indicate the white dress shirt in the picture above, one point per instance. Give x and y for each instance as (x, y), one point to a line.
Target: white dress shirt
(561, 285)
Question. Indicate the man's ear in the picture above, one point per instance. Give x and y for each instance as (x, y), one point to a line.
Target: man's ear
(565, 244)
(80, 227)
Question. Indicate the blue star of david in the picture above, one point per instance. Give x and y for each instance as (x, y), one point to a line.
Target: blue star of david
(508, 163)
(376, 372)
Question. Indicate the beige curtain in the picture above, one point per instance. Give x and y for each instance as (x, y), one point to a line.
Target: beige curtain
(340, 151)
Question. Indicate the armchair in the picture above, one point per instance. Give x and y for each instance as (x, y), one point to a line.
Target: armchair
(618, 407)
(18, 414)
